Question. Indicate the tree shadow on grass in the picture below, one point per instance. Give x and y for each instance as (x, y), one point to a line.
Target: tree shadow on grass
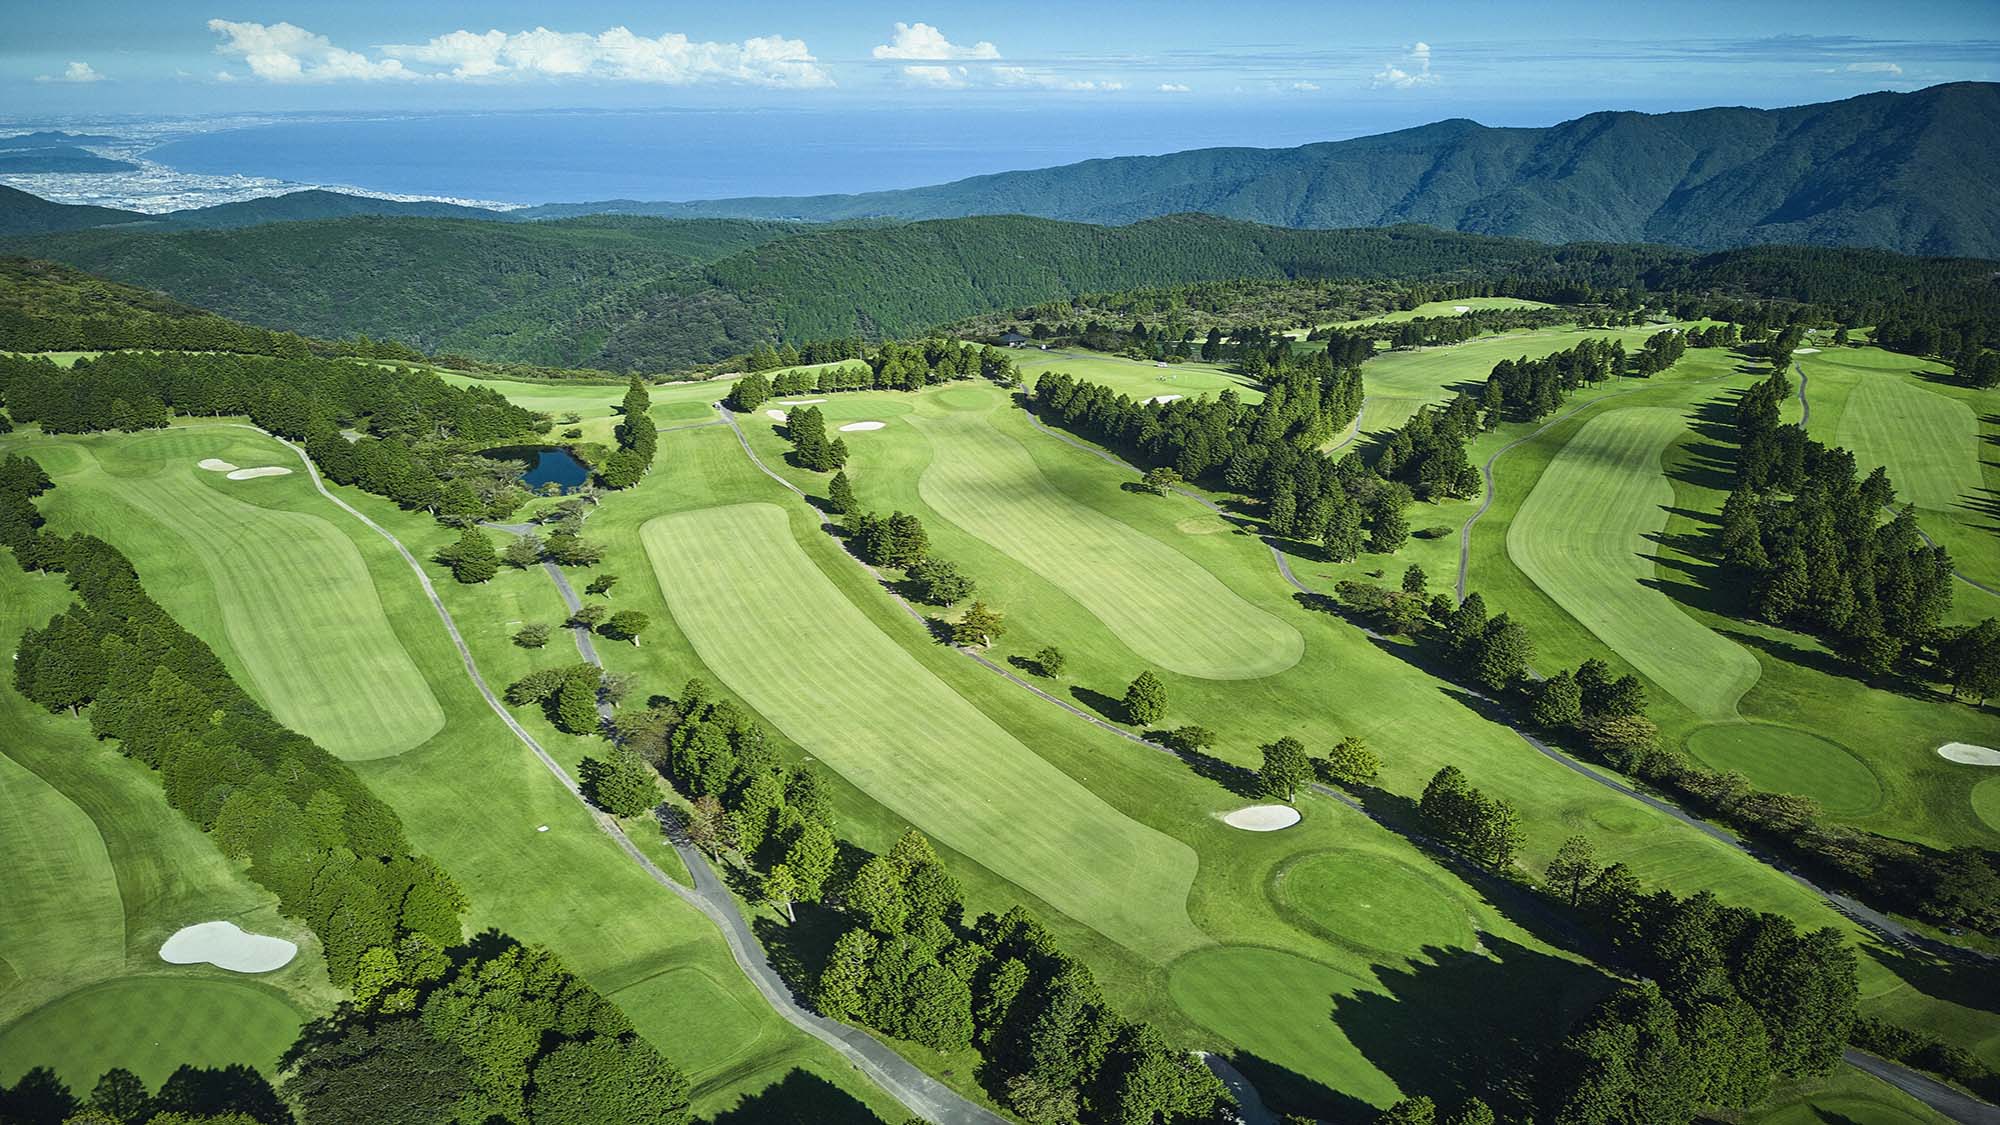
(1285, 1090)
(800, 1098)
(1458, 1024)
(798, 950)
(1238, 780)
(1113, 710)
(1819, 660)
(1938, 975)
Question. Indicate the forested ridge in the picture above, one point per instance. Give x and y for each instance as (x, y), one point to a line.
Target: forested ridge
(1904, 171)
(636, 294)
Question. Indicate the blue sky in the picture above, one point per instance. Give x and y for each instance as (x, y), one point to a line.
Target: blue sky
(1496, 61)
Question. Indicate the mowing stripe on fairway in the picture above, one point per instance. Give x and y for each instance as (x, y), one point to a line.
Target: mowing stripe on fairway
(1929, 443)
(61, 917)
(298, 610)
(1158, 601)
(1584, 536)
(766, 621)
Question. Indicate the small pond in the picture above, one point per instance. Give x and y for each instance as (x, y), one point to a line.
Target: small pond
(546, 464)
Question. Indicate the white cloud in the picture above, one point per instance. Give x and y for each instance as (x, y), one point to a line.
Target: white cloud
(1022, 77)
(1174, 88)
(922, 41)
(1304, 87)
(1852, 68)
(937, 77)
(74, 72)
(1419, 73)
(285, 53)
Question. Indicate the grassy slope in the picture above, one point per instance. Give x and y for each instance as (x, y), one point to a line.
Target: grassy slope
(1231, 901)
(871, 712)
(1399, 382)
(1169, 611)
(1585, 536)
(569, 888)
(269, 581)
(100, 872)
(1936, 438)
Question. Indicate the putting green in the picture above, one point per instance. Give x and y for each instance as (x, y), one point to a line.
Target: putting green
(299, 616)
(766, 621)
(150, 1025)
(1584, 535)
(1782, 759)
(1928, 442)
(1374, 902)
(1163, 605)
(1986, 802)
(1279, 1007)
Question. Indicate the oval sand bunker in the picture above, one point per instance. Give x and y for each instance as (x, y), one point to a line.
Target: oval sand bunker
(776, 415)
(1161, 398)
(1262, 818)
(1966, 753)
(851, 427)
(260, 471)
(227, 946)
(215, 465)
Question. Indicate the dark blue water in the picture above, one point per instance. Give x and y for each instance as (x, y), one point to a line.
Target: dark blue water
(543, 157)
(547, 464)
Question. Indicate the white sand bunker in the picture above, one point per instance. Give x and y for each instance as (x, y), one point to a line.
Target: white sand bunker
(1161, 398)
(1805, 351)
(1461, 308)
(260, 471)
(1262, 818)
(799, 401)
(226, 946)
(1965, 753)
(215, 465)
(776, 415)
(853, 426)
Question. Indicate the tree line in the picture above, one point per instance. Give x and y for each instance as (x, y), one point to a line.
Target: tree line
(334, 855)
(1604, 715)
(460, 1033)
(892, 366)
(908, 962)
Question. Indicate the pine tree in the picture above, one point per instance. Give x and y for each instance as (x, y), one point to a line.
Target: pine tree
(980, 626)
(472, 558)
(838, 992)
(1285, 768)
(840, 494)
(1145, 700)
(576, 700)
(1558, 702)
(1351, 762)
(1504, 653)
(1574, 866)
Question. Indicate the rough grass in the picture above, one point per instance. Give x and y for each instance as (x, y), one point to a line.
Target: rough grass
(1846, 1097)
(1158, 601)
(306, 630)
(769, 624)
(1586, 535)
(1782, 759)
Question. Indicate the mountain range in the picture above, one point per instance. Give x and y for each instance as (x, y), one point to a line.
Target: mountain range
(1908, 172)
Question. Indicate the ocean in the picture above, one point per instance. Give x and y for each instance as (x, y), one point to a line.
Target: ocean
(576, 156)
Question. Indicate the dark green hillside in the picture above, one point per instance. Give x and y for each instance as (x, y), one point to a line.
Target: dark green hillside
(303, 206)
(1909, 172)
(22, 213)
(61, 158)
(534, 292)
